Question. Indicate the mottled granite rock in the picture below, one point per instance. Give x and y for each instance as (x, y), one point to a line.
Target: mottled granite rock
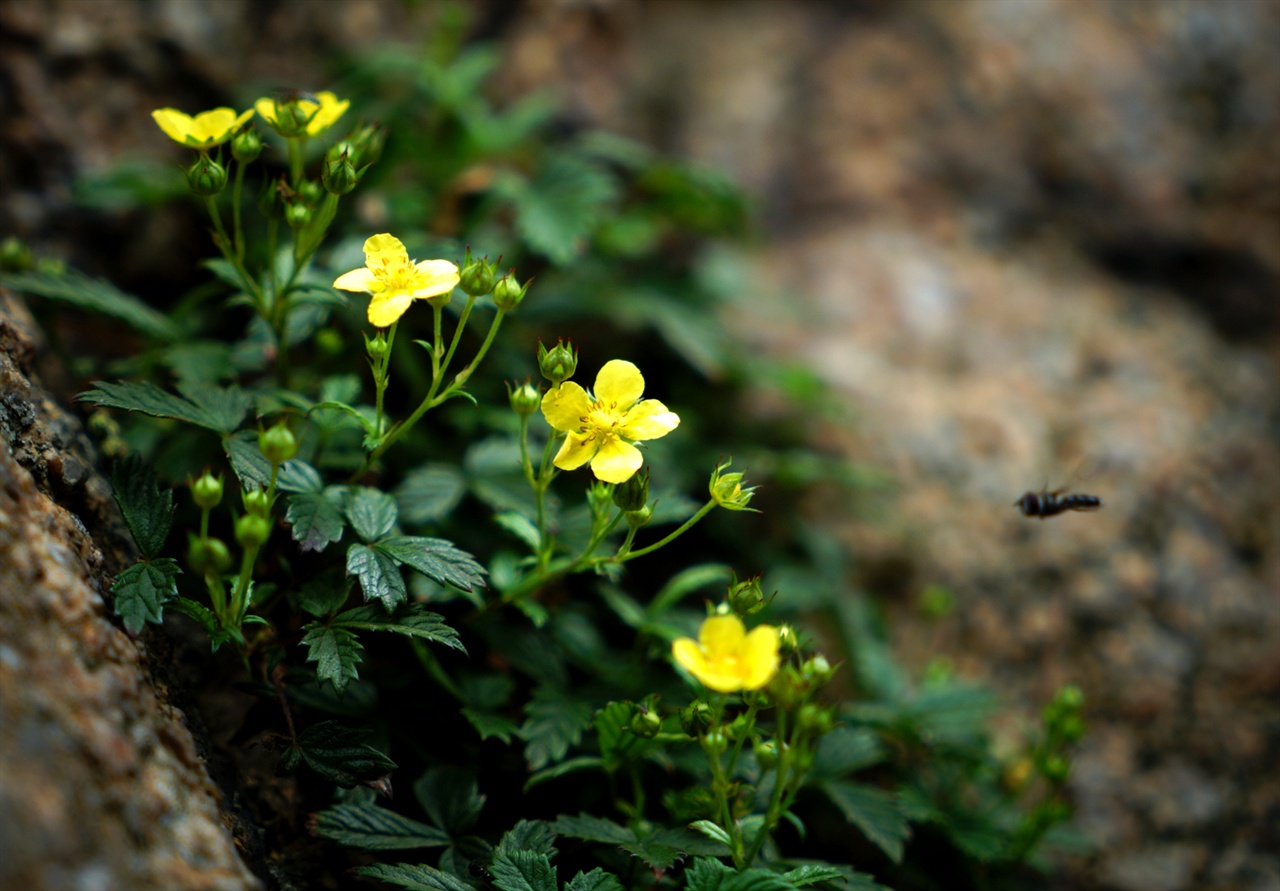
(101, 785)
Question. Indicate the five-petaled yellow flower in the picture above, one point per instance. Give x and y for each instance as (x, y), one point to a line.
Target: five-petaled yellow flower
(205, 130)
(602, 428)
(314, 115)
(728, 659)
(394, 280)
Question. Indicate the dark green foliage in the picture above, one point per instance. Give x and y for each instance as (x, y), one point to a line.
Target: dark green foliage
(374, 828)
(413, 877)
(142, 590)
(337, 753)
(874, 812)
(203, 405)
(522, 871)
(95, 295)
(147, 510)
(554, 722)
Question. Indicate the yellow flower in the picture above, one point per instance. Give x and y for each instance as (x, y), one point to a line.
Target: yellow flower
(205, 130)
(602, 429)
(299, 116)
(726, 658)
(394, 280)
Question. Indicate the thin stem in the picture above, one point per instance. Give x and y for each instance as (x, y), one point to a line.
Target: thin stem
(688, 524)
(237, 229)
(779, 782)
(295, 162)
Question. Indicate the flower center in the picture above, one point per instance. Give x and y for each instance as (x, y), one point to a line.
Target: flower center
(603, 421)
(396, 274)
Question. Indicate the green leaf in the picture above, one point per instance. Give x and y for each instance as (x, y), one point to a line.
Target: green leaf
(336, 652)
(372, 828)
(142, 590)
(204, 406)
(379, 576)
(451, 797)
(713, 831)
(489, 725)
(843, 751)
(96, 295)
(572, 765)
(521, 527)
(528, 835)
(556, 212)
(435, 558)
(706, 875)
(316, 518)
(523, 871)
(340, 755)
(686, 582)
(411, 620)
(193, 610)
(254, 470)
(756, 880)
(324, 593)
(372, 513)
(554, 722)
(430, 493)
(196, 362)
(147, 509)
(618, 745)
(596, 829)
(812, 874)
(875, 812)
(413, 877)
(596, 880)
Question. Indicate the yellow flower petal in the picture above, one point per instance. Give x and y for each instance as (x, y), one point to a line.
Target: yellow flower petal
(759, 657)
(576, 451)
(437, 276)
(726, 658)
(565, 406)
(692, 659)
(649, 419)
(385, 245)
(620, 383)
(721, 636)
(386, 310)
(616, 461)
(266, 108)
(327, 111)
(358, 280)
(205, 130)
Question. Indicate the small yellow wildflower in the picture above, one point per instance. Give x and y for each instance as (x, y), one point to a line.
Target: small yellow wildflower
(602, 428)
(394, 280)
(205, 130)
(295, 117)
(726, 658)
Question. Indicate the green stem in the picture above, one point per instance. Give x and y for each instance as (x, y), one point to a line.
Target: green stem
(774, 812)
(295, 162)
(687, 525)
(237, 228)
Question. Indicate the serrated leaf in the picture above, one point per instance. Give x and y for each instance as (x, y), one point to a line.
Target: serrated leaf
(656, 853)
(558, 210)
(491, 726)
(522, 871)
(706, 875)
(521, 527)
(142, 590)
(411, 620)
(811, 874)
(756, 880)
(325, 593)
(845, 750)
(147, 510)
(618, 745)
(451, 797)
(254, 470)
(372, 512)
(379, 576)
(340, 755)
(875, 812)
(373, 828)
(316, 519)
(413, 876)
(97, 295)
(197, 362)
(430, 493)
(596, 880)
(528, 835)
(336, 652)
(216, 409)
(435, 558)
(554, 722)
(193, 610)
(596, 829)
(713, 831)
(571, 765)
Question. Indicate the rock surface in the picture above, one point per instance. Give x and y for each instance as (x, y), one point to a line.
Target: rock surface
(101, 785)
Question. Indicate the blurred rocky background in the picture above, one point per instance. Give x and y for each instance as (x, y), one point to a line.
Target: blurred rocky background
(1027, 242)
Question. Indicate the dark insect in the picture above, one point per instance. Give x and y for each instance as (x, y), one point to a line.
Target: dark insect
(1045, 504)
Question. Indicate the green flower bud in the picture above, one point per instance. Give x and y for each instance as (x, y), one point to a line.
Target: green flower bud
(256, 502)
(788, 643)
(727, 491)
(311, 192)
(740, 727)
(477, 276)
(278, 443)
(206, 492)
(558, 363)
(246, 146)
(15, 256)
(208, 556)
(524, 399)
(817, 669)
(377, 348)
(1071, 728)
(715, 742)
(206, 177)
(440, 301)
(252, 530)
(633, 494)
(645, 724)
(339, 175)
(365, 144)
(816, 719)
(1056, 768)
(1070, 697)
(638, 518)
(766, 755)
(746, 598)
(297, 215)
(508, 293)
(696, 718)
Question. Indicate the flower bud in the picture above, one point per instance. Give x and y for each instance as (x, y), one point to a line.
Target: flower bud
(558, 363)
(477, 276)
(633, 494)
(15, 256)
(815, 719)
(638, 518)
(715, 742)
(206, 177)
(788, 643)
(727, 491)
(508, 293)
(766, 755)
(366, 143)
(696, 718)
(278, 443)
(817, 669)
(297, 215)
(1071, 728)
(339, 175)
(524, 399)
(440, 301)
(256, 502)
(377, 348)
(206, 492)
(246, 146)
(645, 724)
(746, 598)
(311, 192)
(252, 530)
(1056, 768)
(207, 556)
